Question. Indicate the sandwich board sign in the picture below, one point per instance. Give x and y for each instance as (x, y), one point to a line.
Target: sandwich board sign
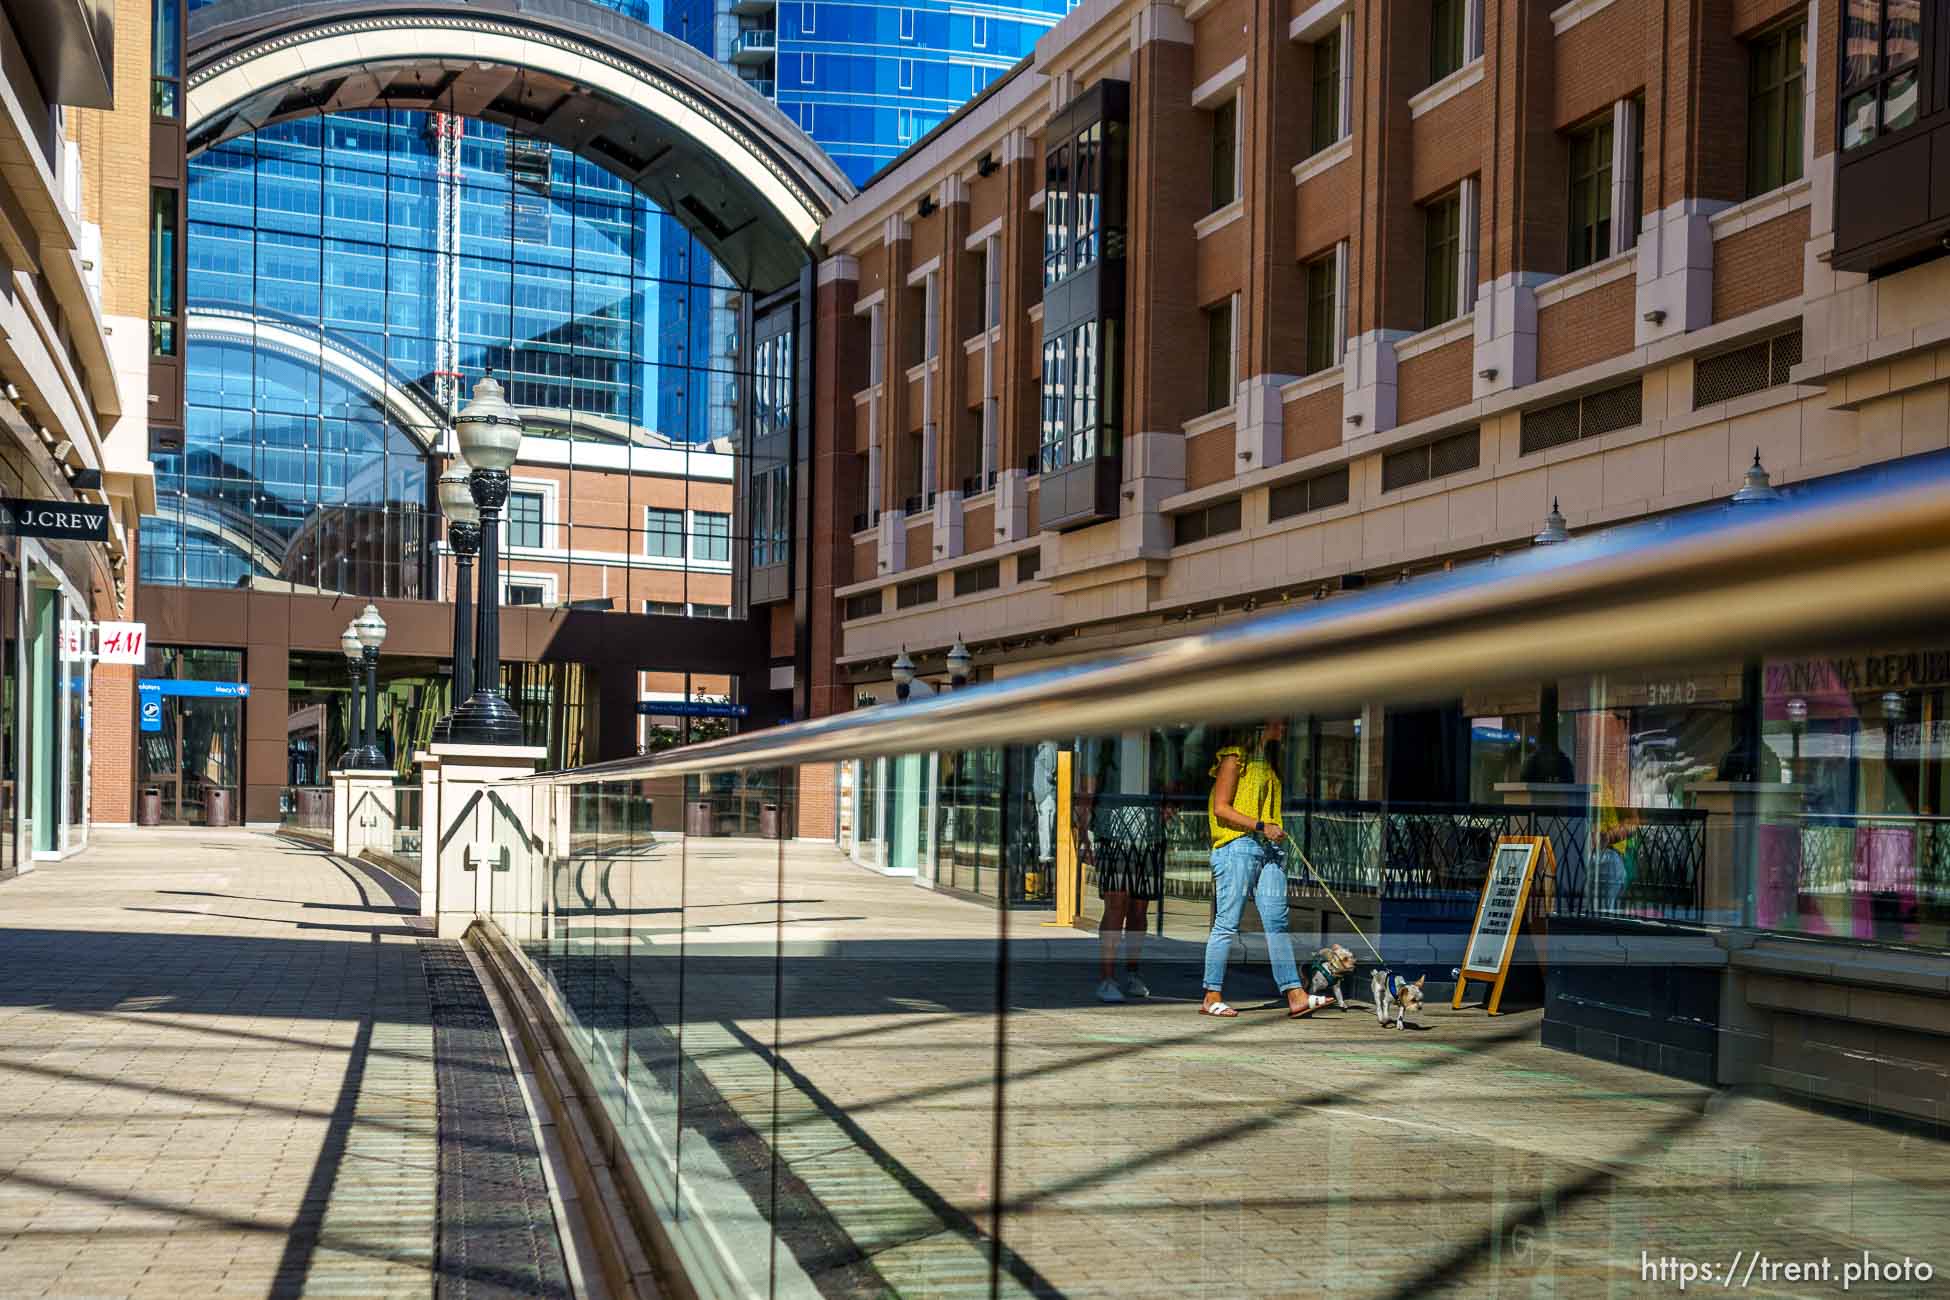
(1506, 893)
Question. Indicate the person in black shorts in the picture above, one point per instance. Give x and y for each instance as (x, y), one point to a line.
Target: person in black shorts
(1125, 845)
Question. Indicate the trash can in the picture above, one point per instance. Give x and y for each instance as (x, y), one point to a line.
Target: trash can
(697, 817)
(217, 803)
(314, 806)
(768, 821)
(148, 807)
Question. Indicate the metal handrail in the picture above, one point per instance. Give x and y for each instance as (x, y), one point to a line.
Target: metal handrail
(1856, 558)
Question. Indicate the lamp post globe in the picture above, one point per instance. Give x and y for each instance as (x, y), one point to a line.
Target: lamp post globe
(355, 653)
(370, 629)
(1554, 529)
(903, 675)
(464, 539)
(1756, 489)
(489, 431)
(961, 664)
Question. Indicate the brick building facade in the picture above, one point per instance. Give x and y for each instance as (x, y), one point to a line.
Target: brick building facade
(1390, 279)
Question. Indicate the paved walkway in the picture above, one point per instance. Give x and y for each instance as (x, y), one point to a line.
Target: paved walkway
(223, 1063)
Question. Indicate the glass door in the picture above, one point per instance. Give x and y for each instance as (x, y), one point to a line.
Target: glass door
(192, 755)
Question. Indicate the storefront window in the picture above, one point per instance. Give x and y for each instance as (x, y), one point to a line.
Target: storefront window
(192, 748)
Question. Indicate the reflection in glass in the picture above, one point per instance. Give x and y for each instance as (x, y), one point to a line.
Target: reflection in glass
(1861, 48)
(1899, 100)
(1859, 119)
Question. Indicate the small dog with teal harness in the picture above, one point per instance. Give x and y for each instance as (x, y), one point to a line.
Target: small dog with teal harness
(1391, 992)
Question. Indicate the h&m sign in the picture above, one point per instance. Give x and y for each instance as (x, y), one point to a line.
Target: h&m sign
(71, 521)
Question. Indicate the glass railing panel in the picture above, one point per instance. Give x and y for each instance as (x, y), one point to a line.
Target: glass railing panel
(727, 1027)
(649, 901)
(886, 1049)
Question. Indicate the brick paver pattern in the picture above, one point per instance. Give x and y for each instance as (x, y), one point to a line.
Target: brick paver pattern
(217, 1076)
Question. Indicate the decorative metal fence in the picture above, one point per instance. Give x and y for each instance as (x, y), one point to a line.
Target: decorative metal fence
(1615, 862)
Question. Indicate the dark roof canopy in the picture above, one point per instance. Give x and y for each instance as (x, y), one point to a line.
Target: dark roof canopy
(707, 148)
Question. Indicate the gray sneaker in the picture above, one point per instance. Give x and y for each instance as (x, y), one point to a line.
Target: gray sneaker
(1135, 987)
(1107, 991)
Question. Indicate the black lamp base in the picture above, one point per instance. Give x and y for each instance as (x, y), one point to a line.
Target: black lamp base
(442, 730)
(484, 719)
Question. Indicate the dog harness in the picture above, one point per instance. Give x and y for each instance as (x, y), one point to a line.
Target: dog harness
(1316, 969)
(1393, 988)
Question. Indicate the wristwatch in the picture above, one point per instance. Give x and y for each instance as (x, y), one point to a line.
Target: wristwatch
(1259, 828)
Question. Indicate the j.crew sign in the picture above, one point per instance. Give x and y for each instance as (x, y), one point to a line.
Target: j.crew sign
(61, 520)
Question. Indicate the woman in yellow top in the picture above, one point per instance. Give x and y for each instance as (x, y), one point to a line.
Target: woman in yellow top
(1245, 814)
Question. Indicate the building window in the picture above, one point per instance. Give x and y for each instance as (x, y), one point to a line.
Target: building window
(907, 24)
(668, 608)
(983, 577)
(921, 591)
(663, 533)
(906, 67)
(981, 33)
(526, 593)
(524, 519)
(1218, 354)
(808, 19)
(864, 605)
(1323, 301)
(163, 306)
(1591, 193)
(1082, 208)
(1309, 494)
(710, 611)
(710, 536)
(1881, 43)
(1029, 564)
(1215, 520)
(165, 58)
(1774, 108)
(1327, 90)
(1442, 259)
(1225, 153)
(1446, 44)
(1431, 460)
(1605, 411)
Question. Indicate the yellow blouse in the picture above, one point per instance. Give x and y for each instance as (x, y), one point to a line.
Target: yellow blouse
(1258, 795)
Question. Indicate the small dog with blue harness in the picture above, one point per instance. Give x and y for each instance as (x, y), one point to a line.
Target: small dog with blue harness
(1393, 994)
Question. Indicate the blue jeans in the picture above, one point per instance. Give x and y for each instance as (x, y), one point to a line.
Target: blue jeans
(1240, 868)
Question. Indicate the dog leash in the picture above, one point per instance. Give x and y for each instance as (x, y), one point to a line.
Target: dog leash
(1288, 840)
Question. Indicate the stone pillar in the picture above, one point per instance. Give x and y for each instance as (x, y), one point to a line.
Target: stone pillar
(429, 842)
(362, 810)
(1753, 849)
(489, 840)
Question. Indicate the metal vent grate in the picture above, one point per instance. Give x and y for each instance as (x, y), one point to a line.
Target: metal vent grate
(1615, 408)
(1549, 426)
(1745, 370)
(1453, 454)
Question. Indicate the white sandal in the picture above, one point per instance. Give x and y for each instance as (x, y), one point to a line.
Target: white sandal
(1218, 1011)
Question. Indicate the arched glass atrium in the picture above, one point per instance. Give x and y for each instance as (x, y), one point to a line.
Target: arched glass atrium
(350, 275)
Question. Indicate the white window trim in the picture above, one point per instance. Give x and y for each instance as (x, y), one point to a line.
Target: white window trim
(1213, 91)
(806, 66)
(1625, 216)
(1340, 302)
(1565, 17)
(680, 559)
(908, 25)
(1472, 30)
(1468, 195)
(1332, 156)
(691, 558)
(1347, 76)
(979, 38)
(905, 69)
(547, 490)
(1432, 97)
(1219, 218)
(808, 18)
(1311, 23)
(518, 578)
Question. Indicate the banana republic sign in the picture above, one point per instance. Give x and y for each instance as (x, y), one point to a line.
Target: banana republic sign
(69, 521)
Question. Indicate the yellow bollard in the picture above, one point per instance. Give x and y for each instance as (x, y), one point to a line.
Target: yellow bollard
(1069, 880)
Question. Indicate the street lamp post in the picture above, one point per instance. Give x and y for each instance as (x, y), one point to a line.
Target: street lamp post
(464, 536)
(1797, 711)
(354, 653)
(489, 431)
(903, 676)
(1548, 764)
(370, 629)
(960, 665)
